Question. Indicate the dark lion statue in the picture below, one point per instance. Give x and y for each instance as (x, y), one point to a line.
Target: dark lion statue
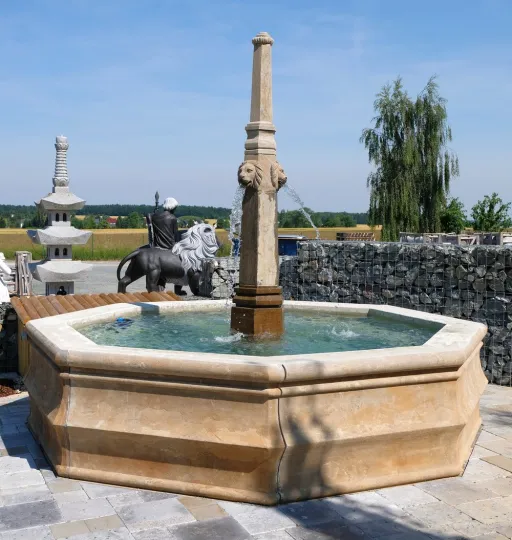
(180, 265)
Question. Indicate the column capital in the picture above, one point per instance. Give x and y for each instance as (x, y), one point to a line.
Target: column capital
(263, 38)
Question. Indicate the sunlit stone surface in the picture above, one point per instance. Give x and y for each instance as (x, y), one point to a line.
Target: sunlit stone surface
(255, 429)
(58, 269)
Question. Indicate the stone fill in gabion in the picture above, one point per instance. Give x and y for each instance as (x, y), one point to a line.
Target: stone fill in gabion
(467, 282)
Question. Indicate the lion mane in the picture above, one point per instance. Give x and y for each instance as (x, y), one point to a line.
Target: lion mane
(196, 244)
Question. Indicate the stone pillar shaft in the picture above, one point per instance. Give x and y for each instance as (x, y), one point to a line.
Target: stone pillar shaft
(258, 300)
(260, 129)
(261, 98)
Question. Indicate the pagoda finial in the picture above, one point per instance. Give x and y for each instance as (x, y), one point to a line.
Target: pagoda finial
(60, 178)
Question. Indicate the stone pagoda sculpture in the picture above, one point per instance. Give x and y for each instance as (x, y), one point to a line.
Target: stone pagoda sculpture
(58, 270)
(258, 301)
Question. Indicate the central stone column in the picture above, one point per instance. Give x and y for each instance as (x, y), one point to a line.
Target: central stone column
(258, 300)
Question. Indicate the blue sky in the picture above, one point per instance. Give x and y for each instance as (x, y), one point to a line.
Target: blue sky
(155, 94)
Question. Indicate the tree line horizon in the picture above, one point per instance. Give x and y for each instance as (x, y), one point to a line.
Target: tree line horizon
(414, 166)
(131, 216)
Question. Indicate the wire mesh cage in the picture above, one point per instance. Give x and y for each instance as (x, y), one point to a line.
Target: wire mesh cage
(468, 282)
(472, 282)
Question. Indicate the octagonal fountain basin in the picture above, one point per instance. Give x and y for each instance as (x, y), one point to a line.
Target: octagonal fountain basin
(162, 396)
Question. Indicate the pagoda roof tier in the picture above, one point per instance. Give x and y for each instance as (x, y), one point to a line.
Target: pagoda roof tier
(59, 236)
(61, 200)
(59, 270)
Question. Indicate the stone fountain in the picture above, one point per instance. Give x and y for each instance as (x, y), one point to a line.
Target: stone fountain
(259, 302)
(278, 427)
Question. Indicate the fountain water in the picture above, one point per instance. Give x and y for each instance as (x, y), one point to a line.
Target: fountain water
(235, 220)
(295, 197)
(235, 225)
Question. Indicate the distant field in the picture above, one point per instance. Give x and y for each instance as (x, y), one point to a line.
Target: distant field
(114, 244)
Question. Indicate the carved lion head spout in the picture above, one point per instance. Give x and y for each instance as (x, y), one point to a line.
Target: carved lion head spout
(250, 174)
(277, 176)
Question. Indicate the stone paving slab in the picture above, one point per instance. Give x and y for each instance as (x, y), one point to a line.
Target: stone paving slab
(35, 505)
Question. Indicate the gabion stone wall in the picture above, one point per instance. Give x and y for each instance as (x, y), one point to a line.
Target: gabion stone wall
(219, 277)
(8, 338)
(469, 282)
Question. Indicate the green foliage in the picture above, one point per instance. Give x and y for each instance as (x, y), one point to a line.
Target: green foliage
(3, 223)
(135, 221)
(223, 223)
(85, 253)
(413, 165)
(336, 220)
(224, 250)
(293, 219)
(122, 222)
(202, 212)
(36, 220)
(38, 252)
(77, 223)
(491, 214)
(28, 216)
(89, 223)
(103, 223)
(188, 221)
(453, 217)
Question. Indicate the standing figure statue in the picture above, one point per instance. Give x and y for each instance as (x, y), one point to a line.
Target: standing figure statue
(163, 229)
(163, 226)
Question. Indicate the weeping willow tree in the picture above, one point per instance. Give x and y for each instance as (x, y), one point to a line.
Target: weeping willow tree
(413, 164)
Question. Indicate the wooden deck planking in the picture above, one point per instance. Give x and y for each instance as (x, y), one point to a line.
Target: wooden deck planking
(106, 298)
(131, 297)
(66, 304)
(33, 314)
(56, 304)
(98, 299)
(74, 303)
(48, 306)
(38, 307)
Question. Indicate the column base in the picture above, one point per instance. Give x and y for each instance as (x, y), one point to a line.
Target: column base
(258, 310)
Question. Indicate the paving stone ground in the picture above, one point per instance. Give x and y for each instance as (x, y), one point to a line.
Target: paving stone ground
(35, 505)
(103, 279)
